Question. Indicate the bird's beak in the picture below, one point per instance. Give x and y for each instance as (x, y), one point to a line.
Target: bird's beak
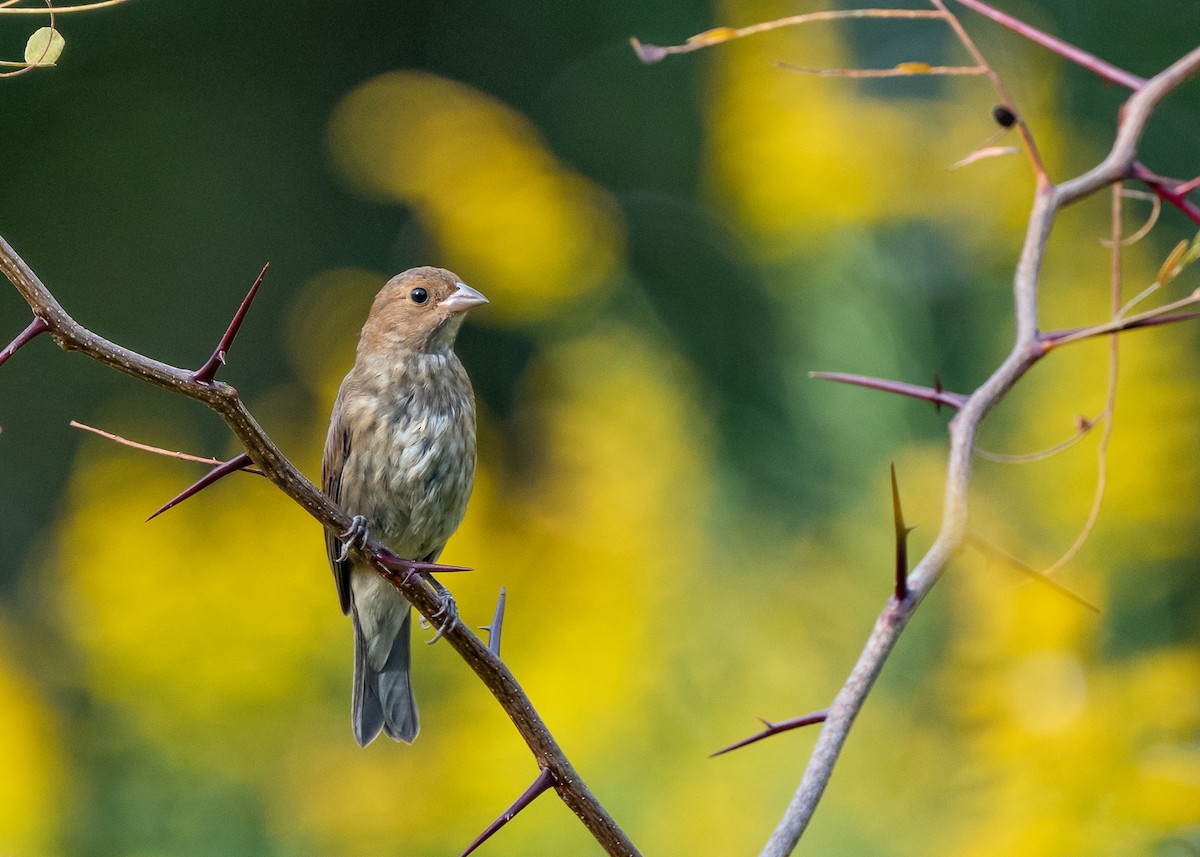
(462, 299)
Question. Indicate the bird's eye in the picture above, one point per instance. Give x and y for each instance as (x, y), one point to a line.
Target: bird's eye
(419, 296)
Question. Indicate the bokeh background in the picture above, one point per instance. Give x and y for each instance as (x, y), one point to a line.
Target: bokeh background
(692, 533)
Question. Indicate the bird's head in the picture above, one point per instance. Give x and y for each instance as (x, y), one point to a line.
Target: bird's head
(419, 310)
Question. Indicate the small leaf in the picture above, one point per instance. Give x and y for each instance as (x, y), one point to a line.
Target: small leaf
(1192, 254)
(648, 53)
(914, 67)
(713, 36)
(44, 47)
(1173, 265)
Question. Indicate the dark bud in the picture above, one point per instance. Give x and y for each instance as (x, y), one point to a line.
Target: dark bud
(1004, 117)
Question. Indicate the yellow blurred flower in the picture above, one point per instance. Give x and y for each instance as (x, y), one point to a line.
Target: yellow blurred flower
(501, 210)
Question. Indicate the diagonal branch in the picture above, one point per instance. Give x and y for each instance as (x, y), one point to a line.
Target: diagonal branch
(224, 400)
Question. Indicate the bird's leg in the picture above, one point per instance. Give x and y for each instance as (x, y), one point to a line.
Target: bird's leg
(447, 610)
(354, 538)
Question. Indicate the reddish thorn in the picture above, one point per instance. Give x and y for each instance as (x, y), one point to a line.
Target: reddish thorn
(1176, 194)
(545, 779)
(234, 464)
(902, 532)
(1187, 187)
(208, 371)
(400, 565)
(775, 729)
(38, 325)
(929, 394)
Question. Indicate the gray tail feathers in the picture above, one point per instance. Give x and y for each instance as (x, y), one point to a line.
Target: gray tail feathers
(383, 698)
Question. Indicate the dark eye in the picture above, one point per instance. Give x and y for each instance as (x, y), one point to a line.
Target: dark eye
(419, 296)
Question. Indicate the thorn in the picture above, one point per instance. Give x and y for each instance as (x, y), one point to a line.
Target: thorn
(208, 371)
(399, 565)
(38, 325)
(929, 394)
(497, 624)
(902, 532)
(545, 779)
(775, 729)
(236, 463)
(937, 388)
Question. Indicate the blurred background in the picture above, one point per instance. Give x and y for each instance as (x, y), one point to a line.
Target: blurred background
(692, 533)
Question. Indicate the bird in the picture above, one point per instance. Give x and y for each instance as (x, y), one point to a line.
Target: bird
(400, 459)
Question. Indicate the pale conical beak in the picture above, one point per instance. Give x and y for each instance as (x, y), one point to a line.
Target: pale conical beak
(462, 299)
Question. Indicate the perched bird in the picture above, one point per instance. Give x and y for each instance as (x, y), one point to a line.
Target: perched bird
(400, 458)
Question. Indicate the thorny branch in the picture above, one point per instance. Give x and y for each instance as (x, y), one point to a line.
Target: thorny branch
(1029, 346)
(259, 449)
(1027, 349)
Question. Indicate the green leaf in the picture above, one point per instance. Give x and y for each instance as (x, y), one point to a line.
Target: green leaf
(44, 47)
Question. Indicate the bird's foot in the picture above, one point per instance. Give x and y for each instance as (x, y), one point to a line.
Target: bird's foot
(355, 537)
(447, 612)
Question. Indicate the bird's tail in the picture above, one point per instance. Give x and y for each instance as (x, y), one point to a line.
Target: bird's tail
(383, 698)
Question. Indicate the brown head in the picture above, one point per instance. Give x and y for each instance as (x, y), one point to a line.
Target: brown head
(418, 310)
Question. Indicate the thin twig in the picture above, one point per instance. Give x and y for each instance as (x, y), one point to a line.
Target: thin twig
(654, 53)
(1080, 57)
(1031, 149)
(58, 10)
(907, 69)
(157, 450)
(1110, 407)
(773, 728)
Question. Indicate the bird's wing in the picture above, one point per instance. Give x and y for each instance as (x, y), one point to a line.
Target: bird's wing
(337, 451)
